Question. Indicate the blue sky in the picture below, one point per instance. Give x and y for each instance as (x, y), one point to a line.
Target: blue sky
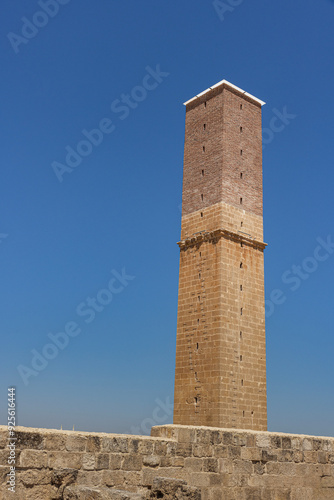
(115, 217)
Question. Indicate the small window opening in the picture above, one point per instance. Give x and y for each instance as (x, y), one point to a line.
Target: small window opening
(240, 201)
(204, 126)
(241, 265)
(205, 104)
(240, 357)
(201, 214)
(196, 400)
(202, 173)
(240, 106)
(240, 175)
(241, 244)
(199, 275)
(197, 346)
(200, 254)
(204, 149)
(243, 413)
(199, 299)
(242, 382)
(202, 197)
(240, 130)
(241, 224)
(241, 309)
(240, 288)
(240, 152)
(252, 413)
(240, 335)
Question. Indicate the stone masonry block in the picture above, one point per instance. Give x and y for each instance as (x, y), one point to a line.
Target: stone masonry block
(132, 462)
(31, 478)
(33, 459)
(63, 459)
(115, 445)
(93, 444)
(29, 440)
(88, 461)
(54, 442)
(76, 443)
(151, 460)
(102, 461)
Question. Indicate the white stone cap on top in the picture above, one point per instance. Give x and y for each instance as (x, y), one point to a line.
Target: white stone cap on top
(228, 84)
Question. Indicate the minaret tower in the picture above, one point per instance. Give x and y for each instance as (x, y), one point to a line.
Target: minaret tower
(220, 376)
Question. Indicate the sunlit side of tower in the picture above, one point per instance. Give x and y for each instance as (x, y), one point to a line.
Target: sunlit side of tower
(220, 377)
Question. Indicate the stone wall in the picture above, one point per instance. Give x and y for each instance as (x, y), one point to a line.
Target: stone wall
(176, 462)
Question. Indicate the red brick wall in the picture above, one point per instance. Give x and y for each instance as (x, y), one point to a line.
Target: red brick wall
(222, 161)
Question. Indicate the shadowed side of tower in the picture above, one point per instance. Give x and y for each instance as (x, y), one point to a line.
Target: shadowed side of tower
(220, 376)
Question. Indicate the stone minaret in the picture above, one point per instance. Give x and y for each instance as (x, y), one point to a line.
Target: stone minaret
(220, 376)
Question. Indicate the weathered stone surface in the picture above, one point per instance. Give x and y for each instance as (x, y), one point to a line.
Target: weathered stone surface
(124, 495)
(39, 493)
(3, 440)
(90, 478)
(63, 459)
(29, 440)
(61, 477)
(115, 461)
(120, 478)
(200, 450)
(115, 444)
(102, 461)
(88, 461)
(145, 447)
(31, 478)
(132, 462)
(54, 442)
(33, 459)
(172, 489)
(82, 493)
(88, 493)
(151, 460)
(93, 444)
(76, 443)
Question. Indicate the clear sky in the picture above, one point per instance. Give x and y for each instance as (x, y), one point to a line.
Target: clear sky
(73, 225)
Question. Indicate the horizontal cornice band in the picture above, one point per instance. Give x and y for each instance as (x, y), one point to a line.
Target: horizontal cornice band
(215, 235)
